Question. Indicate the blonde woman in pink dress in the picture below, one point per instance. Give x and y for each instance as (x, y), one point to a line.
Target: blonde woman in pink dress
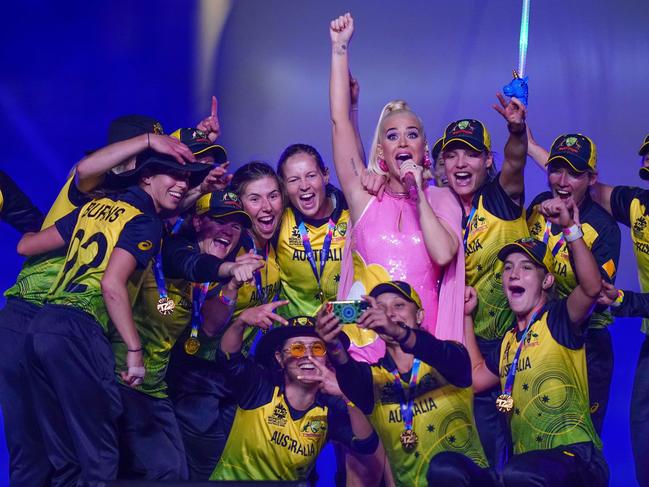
(413, 232)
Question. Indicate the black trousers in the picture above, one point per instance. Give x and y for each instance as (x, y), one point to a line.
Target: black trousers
(599, 362)
(204, 410)
(151, 446)
(578, 465)
(492, 425)
(640, 416)
(72, 377)
(28, 463)
(456, 470)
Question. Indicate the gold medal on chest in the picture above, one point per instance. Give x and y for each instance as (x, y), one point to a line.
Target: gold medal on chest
(408, 440)
(165, 306)
(192, 345)
(504, 403)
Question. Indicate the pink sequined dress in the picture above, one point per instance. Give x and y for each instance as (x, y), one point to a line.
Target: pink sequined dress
(386, 243)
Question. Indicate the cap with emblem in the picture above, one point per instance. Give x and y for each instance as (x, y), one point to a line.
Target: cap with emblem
(220, 204)
(469, 132)
(535, 250)
(200, 145)
(577, 150)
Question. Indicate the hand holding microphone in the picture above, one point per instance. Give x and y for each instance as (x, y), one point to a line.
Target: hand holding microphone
(411, 175)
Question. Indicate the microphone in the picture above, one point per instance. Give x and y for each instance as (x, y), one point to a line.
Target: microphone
(410, 182)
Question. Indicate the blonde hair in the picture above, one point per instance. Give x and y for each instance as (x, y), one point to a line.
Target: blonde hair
(394, 106)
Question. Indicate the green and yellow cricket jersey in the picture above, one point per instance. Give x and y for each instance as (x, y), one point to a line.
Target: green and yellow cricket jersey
(551, 405)
(248, 295)
(602, 237)
(38, 273)
(497, 222)
(270, 440)
(158, 332)
(443, 406)
(16, 208)
(127, 221)
(629, 206)
(299, 285)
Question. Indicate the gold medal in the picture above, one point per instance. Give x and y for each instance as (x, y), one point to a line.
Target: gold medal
(192, 345)
(505, 403)
(165, 306)
(408, 440)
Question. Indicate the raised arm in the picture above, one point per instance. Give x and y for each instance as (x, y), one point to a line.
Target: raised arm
(91, 170)
(582, 299)
(348, 158)
(482, 377)
(538, 154)
(512, 173)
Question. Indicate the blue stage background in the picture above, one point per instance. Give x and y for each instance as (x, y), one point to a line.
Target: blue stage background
(68, 68)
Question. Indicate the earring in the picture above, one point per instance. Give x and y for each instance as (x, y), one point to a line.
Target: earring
(427, 161)
(382, 164)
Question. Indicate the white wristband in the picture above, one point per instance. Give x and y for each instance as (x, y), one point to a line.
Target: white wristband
(572, 233)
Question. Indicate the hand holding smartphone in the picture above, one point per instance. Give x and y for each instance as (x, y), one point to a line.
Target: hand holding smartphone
(347, 311)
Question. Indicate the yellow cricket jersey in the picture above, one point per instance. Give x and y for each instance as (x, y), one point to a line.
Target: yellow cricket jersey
(629, 206)
(602, 237)
(443, 421)
(299, 284)
(158, 332)
(497, 221)
(550, 392)
(38, 273)
(127, 221)
(270, 440)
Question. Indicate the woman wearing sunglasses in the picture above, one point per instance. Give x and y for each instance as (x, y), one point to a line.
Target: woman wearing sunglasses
(288, 405)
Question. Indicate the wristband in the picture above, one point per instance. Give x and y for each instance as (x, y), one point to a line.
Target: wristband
(134, 349)
(350, 404)
(148, 141)
(572, 233)
(618, 301)
(225, 300)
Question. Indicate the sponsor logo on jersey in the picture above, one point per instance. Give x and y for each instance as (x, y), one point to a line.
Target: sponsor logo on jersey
(145, 245)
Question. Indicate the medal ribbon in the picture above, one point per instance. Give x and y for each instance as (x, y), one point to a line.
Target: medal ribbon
(157, 267)
(408, 401)
(306, 242)
(199, 292)
(509, 382)
(466, 232)
(546, 237)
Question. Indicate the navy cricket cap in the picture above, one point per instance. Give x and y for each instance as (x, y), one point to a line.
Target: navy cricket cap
(535, 250)
(220, 204)
(577, 150)
(470, 132)
(199, 144)
(400, 288)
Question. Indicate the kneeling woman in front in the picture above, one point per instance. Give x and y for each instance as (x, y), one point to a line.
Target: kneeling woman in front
(288, 406)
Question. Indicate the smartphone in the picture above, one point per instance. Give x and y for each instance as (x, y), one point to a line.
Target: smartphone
(347, 311)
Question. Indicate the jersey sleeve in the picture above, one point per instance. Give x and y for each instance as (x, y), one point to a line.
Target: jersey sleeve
(16, 208)
(140, 237)
(181, 258)
(449, 358)
(340, 428)
(606, 250)
(621, 198)
(355, 380)
(66, 225)
(561, 328)
(634, 305)
(498, 202)
(251, 384)
(492, 360)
